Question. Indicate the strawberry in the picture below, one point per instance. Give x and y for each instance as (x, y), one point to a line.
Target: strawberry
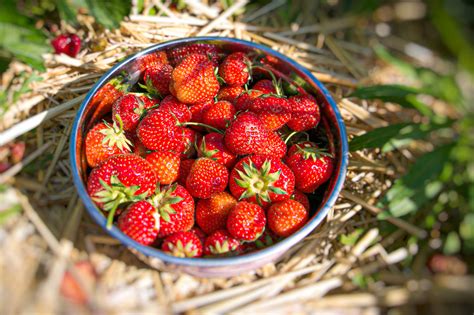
(246, 221)
(178, 109)
(197, 112)
(246, 134)
(184, 170)
(120, 179)
(268, 238)
(235, 69)
(261, 179)
(265, 86)
(152, 60)
(166, 166)
(272, 110)
(199, 233)
(206, 177)
(311, 165)
(301, 198)
(305, 112)
(220, 242)
(244, 100)
(275, 146)
(188, 143)
(212, 146)
(177, 55)
(286, 217)
(211, 214)
(230, 93)
(103, 141)
(157, 79)
(75, 286)
(141, 222)
(194, 81)
(182, 244)
(175, 207)
(219, 114)
(138, 147)
(68, 44)
(130, 108)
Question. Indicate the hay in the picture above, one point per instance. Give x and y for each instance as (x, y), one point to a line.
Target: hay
(52, 233)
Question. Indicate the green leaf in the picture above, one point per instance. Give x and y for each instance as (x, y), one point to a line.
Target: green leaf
(67, 11)
(351, 238)
(7, 213)
(109, 13)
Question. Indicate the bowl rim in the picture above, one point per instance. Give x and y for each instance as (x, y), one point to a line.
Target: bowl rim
(279, 247)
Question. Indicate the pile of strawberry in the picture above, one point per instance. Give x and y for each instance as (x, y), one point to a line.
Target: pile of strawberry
(197, 163)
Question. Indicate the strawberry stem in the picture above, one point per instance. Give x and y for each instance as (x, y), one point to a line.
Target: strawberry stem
(110, 217)
(290, 136)
(192, 123)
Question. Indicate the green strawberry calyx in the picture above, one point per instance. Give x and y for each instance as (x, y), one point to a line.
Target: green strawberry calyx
(222, 247)
(163, 201)
(180, 250)
(258, 182)
(114, 136)
(311, 151)
(207, 152)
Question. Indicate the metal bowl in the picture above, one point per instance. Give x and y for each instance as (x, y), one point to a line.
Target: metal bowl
(226, 266)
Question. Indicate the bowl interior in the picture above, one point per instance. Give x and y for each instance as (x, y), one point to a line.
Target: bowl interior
(330, 133)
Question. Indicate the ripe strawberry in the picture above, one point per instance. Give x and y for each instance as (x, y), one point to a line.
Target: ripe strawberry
(75, 290)
(221, 242)
(268, 238)
(141, 222)
(235, 69)
(68, 44)
(212, 146)
(272, 110)
(177, 55)
(211, 214)
(245, 99)
(265, 86)
(182, 244)
(184, 170)
(305, 112)
(311, 165)
(246, 134)
(206, 177)
(286, 217)
(166, 166)
(120, 179)
(152, 60)
(219, 114)
(103, 141)
(197, 112)
(188, 143)
(275, 146)
(175, 207)
(130, 108)
(138, 147)
(229, 93)
(199, 233)
(261, 179)
(157, 79)
(246, 221)
(301, 198)
(194, 81)
(178, 109)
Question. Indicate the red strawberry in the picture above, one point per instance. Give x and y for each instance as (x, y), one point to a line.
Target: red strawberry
(68, 44)
(182, 244)
(138, 147)
(211, 214)
(157, 79)
(219, 114)
(184, 170)
(178, 109)
(229, 93)
(206, 177)
(177, 55)
(272, 110)
(194, 81)
(311, 165)
(246, 134)
(130, 108)
(141, 222)
(197, 112)
(152, 60)
(301, 198)
(305, 113)
(75, 286)
(261, 179)
(199, 233)
(175, 207)
(166, 166)
(120, 179)
(220, 242)
(286, 217)
(212, 146)
(246, 221)
(268, 238)
(188, 143)
(245, 99)
(265, 86)
(104, 141)
(235, 69)
(275, 146)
